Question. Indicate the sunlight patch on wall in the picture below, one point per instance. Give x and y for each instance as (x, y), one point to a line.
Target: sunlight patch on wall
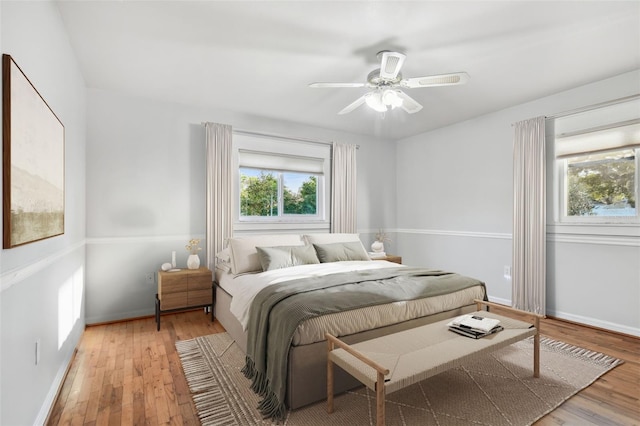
(70, 296)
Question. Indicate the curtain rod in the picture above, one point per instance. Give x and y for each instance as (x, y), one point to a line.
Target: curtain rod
(594, 106)
(276, 136)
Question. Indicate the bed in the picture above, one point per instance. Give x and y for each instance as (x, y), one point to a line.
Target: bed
(318, 268)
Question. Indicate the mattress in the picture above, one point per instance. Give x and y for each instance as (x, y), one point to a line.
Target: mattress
(226, 280)
(372, 317)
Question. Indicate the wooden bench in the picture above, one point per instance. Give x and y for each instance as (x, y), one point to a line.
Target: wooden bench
(392, 362)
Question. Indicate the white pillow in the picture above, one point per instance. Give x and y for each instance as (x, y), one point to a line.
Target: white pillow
(224, 255)
(327, 238)
(225, 267)
(244, 255)
(223, 260)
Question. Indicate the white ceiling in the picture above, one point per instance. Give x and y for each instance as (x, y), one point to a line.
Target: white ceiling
(258, 57)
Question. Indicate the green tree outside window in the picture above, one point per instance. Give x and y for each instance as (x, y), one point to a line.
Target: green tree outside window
(259, 193)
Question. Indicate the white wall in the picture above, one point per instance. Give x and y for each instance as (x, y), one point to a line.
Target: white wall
(454, 212)
(42, 283)
(146, 191)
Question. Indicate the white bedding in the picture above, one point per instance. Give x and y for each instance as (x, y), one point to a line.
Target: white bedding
(244, 288)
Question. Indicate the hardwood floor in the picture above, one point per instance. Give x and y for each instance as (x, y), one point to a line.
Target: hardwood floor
(128, 373)
(613, 399)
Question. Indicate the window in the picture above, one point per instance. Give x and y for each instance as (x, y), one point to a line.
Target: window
(602, 184)
(273, 193)
(281, 184)
(597, 162)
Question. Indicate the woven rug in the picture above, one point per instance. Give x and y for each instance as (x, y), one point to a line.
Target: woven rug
(496, 389)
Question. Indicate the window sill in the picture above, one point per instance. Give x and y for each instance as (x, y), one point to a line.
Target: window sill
(619, 234)
(268, 227)
(609, 229)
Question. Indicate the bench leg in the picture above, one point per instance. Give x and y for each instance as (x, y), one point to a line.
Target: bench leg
(536, 349)
(380, 400)
(157, 313)
(329, 378)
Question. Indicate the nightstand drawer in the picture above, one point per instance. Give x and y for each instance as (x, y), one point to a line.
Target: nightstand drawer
(173, 301)
(199, 297)
(200, 282)
(172, 284)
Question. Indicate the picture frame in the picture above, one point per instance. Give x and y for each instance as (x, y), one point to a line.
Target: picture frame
(33, 147)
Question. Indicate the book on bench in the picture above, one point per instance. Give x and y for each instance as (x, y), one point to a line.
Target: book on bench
(474, 326)
(474, 333)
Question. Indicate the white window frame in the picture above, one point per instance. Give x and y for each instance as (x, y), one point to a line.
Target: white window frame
(616, 230)
(284, 147)
(281, 216)
(562, 169)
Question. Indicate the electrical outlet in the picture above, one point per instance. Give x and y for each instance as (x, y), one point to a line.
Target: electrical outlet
(507, 272)
(38, 351)
(149, 278)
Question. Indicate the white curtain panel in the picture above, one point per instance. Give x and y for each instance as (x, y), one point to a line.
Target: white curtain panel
(529, 221)
(219, 173)
(343, 188)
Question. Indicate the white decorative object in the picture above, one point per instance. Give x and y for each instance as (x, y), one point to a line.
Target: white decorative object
(173, 259)
(193, 261)
(377, 246)
(377, 254)
(166, 266)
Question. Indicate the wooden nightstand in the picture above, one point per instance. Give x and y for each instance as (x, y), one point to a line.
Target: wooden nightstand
(391, 258)
(184, 289)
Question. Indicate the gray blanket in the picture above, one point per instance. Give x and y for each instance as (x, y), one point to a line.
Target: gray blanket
(277, 311)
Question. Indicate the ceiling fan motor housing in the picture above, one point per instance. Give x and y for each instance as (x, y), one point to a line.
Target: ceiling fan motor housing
(375, 80)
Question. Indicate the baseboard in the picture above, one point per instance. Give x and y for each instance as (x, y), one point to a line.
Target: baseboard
(505, 302)
(120, 316)
(578, 319)
(596, 323)
(54, 390)
(132, 316)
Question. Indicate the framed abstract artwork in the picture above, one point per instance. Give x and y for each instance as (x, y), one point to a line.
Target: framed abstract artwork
(32, 162)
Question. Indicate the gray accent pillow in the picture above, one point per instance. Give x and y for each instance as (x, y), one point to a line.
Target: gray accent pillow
(244, 256)
(336, 252)
(286, 256)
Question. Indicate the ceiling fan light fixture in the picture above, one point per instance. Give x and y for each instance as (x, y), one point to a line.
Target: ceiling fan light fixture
(374, 101)
(391, 98)
(382, 100)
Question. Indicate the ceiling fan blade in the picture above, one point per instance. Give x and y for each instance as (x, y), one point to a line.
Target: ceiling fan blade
(323, 85)
(435, 80)
(355, 104)
(408, 103)
(391, 64)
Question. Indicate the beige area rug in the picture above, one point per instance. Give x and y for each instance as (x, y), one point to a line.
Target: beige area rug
(497, 389)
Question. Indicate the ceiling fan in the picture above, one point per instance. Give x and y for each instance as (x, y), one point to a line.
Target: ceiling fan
(386, 81)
